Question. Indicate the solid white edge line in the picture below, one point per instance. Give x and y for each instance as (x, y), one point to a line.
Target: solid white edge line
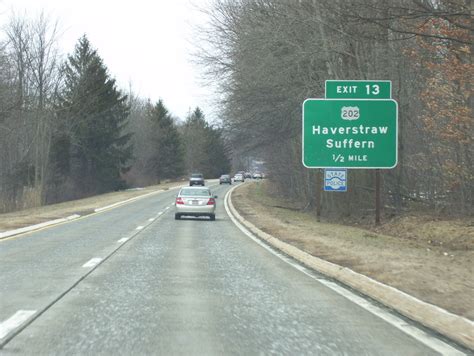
(416, 333)
(15, 321)
(37, 226)
(127, 201)
(92, 262)
(413, 331)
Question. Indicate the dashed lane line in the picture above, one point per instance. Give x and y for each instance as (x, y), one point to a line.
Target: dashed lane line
(15, 321)
(10, 328)
(12, 234)
(92, 262)
(23, 318)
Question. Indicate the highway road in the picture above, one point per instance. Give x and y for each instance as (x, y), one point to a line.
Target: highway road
(132, 280)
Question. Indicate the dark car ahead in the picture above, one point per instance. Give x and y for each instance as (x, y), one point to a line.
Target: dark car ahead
(196, 179)
(225, 179)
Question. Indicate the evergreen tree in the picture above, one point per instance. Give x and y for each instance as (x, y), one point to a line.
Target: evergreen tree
(206, 151)
(91, 148)
(194, 132)
(167, 160)
(218, 153)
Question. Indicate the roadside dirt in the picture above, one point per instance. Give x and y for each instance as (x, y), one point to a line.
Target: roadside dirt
(428, 258)
(22, 218)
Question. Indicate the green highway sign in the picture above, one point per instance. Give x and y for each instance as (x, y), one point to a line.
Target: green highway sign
(350, 133)
(358, 89)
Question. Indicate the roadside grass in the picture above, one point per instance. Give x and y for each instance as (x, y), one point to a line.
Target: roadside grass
(426, 257)
(31, 216)
(453, 234)
(286, 212)
(421, 229)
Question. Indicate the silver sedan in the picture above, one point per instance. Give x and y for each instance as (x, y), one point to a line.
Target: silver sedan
(195, 201)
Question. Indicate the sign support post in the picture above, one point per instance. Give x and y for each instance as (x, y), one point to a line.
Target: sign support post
(377, 197)
(318, 195)
(354, 127)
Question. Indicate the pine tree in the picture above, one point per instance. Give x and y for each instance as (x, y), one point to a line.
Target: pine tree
(92, 115)
(194, 132)
(206, 151)
(168, 158)
(218, 153)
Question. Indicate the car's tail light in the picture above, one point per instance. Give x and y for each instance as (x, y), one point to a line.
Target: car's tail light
(211, 201)
(179, 201)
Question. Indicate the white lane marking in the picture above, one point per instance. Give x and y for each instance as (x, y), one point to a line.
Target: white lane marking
(167, 207)
(159, 213)
(37, 226)
(10, 233)
(92, 262)
(418, 334)
(122, 240)
(400, 324)
(127, 201)
(139, 227)
(15, 321)
(151, 219)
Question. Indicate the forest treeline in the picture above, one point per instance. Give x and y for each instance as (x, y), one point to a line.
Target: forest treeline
(268, 56)
(67, 131)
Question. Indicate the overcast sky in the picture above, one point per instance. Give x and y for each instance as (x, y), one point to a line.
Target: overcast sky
(146, 42)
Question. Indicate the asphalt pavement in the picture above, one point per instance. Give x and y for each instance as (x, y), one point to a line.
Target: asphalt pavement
(132, 280)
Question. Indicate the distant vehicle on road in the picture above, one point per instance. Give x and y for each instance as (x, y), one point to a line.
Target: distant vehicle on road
(247, 175)
(239, 178)
(257, 175)
(225, 178)
(196, 179)
(195, 201)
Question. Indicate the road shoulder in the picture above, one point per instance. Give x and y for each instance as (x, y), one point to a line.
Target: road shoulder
(296, 239)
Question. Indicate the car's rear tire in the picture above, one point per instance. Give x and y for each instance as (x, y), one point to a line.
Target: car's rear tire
(212, 217)
(177, 216)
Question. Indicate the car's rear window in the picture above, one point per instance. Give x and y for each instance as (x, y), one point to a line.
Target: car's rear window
(195, 192)
(224, 176)
(196, 175)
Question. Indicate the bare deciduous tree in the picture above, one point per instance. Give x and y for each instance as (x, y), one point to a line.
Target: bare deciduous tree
(268, 56)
